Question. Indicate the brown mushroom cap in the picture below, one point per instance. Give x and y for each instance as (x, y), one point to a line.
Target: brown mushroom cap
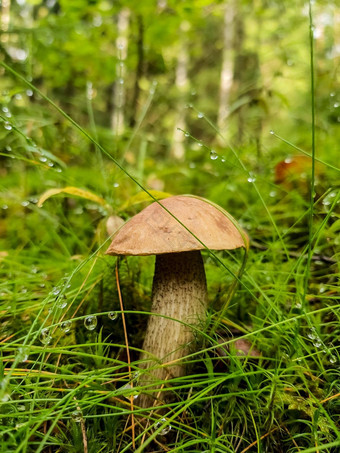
(154, 231)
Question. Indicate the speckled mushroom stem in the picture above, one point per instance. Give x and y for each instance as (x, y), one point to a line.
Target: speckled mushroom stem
(179, 292)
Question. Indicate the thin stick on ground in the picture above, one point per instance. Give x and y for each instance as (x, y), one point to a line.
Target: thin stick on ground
(262, 437)
(127, 352)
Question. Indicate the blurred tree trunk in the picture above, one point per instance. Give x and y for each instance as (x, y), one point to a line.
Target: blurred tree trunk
(246, 86)
(237, 75)
(139, 69)
(226, 80)
(181, 82)
(5, 19)
(118, 101)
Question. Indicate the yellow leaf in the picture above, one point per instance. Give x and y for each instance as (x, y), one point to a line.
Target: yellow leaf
(141, 197)
(72, 191)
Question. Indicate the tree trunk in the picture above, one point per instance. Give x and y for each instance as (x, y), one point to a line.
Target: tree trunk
(117, 115)
(226, 80)
(181, 81)
(139, 70)
(5, 19)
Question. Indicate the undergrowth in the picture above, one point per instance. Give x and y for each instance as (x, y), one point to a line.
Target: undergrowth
(265, 378)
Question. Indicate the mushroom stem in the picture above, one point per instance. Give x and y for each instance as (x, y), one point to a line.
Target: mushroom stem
(179, 292)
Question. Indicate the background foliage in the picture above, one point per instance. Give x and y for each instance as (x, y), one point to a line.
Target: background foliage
(235, 78)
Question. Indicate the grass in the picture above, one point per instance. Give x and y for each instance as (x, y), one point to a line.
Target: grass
(70, 368)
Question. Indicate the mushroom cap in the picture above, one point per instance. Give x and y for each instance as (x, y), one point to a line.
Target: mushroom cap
(154, 231)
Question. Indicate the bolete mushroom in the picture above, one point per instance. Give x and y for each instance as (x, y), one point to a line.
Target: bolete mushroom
(179, 287)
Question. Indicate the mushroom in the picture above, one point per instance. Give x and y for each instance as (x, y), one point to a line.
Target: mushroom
(175, 229)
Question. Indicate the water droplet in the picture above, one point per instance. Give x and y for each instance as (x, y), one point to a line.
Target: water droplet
(271, 132)
(22, 354)
(213, 155)
(251, 179)
(121, 81)
(332, 359)
(188, 106)
(192, 165)
(187, 134)
(112, 315)
(200, 115)
(56, 290)
(115, 185)
(77, 416)
(4, 206)
(312, 334)
(63, 302)
(45, 336)
(8, 115)
(336, 105)
(322, 289)
(5, 397)
(328, 200)
(165, 430)
(200, 144)
(132, 391)
(8, 126)
(50, 164)
(5, 109)
(273, 193)
(21, 408)
(90, 322)
(29, 93)
(136, 376)
(43, 159)
(332, 94)
(25, 203)
(317, 343)
(223, 159)
(58, 170)
(66, 325)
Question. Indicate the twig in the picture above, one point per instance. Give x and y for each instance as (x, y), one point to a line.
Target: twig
(262, 437)
(127, 353)
(293, 440)
(329, 398)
